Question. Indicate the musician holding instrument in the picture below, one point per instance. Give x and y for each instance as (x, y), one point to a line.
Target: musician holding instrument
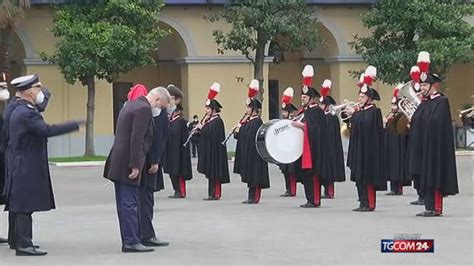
(395, 149)
(335, 152)
(212, 160)
(251, 167)
(365, 145)
(177, 159)
(313, 160)
(436, 173)
(288, 111)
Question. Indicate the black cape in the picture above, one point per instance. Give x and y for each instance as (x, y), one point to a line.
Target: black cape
(315, 120)
(395, 153)
(2, 165)
(248, 163)
(364, 157)
(177, 159)
(212, 161)
(437, 168)
(335, 152)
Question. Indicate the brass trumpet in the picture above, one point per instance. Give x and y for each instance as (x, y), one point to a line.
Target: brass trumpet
(462, 112)
(339, 109)
(194, 130)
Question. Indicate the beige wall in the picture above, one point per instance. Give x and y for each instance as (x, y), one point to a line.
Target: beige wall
(189, 58)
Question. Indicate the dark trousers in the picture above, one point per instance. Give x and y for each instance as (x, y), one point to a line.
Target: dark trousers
(23, 229)
(214, 188)
(433, 200)
(126, 198)
(255, 192)
(290, 183)
(11, 229)
(312, 189)
(147, 202)
(419, 191)
(366, 195)
(396, 186)
(194, 148)
(179, 185)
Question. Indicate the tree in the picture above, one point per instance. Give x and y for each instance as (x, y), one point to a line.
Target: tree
(11, 15)
(100, 40)
(287, 24)
(401, 29)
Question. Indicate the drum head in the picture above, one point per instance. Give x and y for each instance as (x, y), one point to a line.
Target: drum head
(283, 142)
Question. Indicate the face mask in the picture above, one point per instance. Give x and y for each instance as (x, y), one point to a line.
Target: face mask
(171, 109)
(4, 95)
(156, 111)
(39, 97)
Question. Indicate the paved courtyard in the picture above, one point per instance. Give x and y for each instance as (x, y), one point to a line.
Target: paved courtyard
(84, 228)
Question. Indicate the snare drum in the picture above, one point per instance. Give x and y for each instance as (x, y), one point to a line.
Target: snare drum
(279, 142)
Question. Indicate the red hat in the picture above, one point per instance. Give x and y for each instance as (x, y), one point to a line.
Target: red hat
(423, 61)
(137, 91)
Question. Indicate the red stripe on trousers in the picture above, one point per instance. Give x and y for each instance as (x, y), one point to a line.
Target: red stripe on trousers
(306, 160)
(371, 196)
(293, 185)
(217, 189)
(317, 190)
(331, 190)
(258, 194)
(438, 197)
(182, 186)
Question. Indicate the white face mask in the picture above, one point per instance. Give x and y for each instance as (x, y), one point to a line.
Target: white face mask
(4, 95)
(156, 111)
(39, 97)
(171, 109)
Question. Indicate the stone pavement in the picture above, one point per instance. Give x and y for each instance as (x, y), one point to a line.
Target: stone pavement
(84, 228)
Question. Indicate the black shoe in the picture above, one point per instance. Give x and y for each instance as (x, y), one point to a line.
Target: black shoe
(428, 214)
(286, 194)
(247, 201)
(3, 240)
(365, 209)
(155, 242)
(211, 198)
(308, 205)
(391, 193)
(356, 209)
(325, 196)
(135, 248)
(30, 251)
(175, 196)
(418, 202)
(13, 247)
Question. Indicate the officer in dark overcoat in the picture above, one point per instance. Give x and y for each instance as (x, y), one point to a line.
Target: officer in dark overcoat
(28, 188)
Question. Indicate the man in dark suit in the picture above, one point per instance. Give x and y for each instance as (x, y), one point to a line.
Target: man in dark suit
(133, 140)
(32, 189)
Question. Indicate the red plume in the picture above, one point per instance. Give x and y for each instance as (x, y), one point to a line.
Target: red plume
(415, 74)
(370, 75)
(326, 87)
(213, 91)
(308, 74)
(253, 88)
(423, 61)
(287, 96)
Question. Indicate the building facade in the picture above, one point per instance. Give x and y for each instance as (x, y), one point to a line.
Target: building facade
(188, 58)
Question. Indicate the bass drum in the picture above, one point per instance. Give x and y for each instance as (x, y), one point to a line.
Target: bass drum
(279, 142)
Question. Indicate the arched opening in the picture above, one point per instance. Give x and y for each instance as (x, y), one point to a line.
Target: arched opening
(287, 72)
(167, 71)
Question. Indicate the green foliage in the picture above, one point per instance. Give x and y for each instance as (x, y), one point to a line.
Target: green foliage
(105, 38)
(288, 24)
(401, 29)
